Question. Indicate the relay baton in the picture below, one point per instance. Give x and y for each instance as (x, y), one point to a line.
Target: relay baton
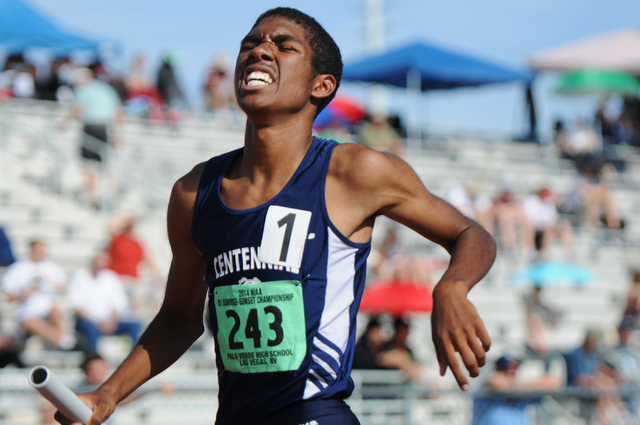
(65, 400)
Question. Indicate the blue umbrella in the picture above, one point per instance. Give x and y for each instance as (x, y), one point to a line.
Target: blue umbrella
(436, 68)
(23, 27)
(421, 67)
(554, 273)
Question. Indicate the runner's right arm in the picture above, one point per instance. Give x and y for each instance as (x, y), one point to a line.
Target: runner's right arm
(179, 322)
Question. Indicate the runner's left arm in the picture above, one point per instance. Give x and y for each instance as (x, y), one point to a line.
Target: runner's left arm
(396, 191)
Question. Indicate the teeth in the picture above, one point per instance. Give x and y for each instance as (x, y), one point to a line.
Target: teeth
(259, 78)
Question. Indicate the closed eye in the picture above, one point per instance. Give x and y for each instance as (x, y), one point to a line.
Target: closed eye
(247, 46)
(249, 42)
(286, 42)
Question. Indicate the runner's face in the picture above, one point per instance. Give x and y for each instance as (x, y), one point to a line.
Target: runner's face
(273, 70)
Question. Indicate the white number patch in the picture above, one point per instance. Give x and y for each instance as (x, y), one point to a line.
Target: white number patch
(284, 236)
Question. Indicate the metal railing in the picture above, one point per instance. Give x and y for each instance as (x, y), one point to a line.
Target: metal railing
(381, 397)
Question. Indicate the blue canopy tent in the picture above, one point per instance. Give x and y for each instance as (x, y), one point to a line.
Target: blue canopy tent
(422, 67)
(22, 28)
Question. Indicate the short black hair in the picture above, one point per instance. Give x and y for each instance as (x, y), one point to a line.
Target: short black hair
(326, 53)
(504, 362)
(89, 356)
(373, 323)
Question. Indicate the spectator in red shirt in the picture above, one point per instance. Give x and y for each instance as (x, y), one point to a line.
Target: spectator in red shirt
(129, 259)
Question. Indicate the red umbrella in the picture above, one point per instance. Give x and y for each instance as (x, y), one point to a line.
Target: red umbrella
(349, 108)
(343, 109)
(396, 297)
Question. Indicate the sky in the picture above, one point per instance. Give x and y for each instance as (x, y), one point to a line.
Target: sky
(506, 32)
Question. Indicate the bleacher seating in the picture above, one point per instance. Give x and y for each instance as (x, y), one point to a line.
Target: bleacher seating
(41, 196)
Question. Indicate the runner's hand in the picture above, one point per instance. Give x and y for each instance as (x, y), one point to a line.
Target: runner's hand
(101, 402)
(456, 327)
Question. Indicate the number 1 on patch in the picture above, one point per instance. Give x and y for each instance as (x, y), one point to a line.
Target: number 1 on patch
(284, 236)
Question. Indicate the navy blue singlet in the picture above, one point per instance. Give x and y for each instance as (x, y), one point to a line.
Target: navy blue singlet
(331, 269)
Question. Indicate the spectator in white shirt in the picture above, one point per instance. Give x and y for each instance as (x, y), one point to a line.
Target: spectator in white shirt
(100, 303)
(542, 210)
(35, 284)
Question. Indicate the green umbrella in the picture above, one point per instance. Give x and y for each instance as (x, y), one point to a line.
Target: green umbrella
(596, 81)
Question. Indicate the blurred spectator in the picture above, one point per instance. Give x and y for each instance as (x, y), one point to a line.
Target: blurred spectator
(128, 257)
(583, 362)
(631, 311)
(585, 369)
(596, 194)
(508, 216)
(560, 139)
(99, 107)
(374, 352)
(369, 347)
(219, 87)
(48, 86)
(606, 121)
(393, 262)
(582, 141)
(18, 78)
(377, 133)
(11, 63)
(24, 82)
(96, 370)
(587, 148)
(100, 303)
(624, 358)
(115, 80)
(470, 202)
(65, 71)
(10, 352)
(387, 253)
(541, 320)
(34, 284)
(170, 91)
(143, 97)
(500, 403)
(542, 210)
(398, 355)
(6, 252)
(628, 130)
(138, 80)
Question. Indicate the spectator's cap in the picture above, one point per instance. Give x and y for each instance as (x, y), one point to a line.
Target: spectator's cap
(172, 57)
(221, 63)
(504, 362)
(593, 334)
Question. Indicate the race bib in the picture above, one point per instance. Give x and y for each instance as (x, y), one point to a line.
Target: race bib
(261, 326)
(284, 236)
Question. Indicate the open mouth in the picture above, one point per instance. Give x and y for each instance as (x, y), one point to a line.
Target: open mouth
(258, 78)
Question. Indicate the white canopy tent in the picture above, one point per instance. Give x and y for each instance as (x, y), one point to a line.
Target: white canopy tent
(618, 50)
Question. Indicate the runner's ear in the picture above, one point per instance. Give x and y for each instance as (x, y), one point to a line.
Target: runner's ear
(323, 86)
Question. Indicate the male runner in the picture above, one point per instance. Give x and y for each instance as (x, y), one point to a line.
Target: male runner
(277, 234)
